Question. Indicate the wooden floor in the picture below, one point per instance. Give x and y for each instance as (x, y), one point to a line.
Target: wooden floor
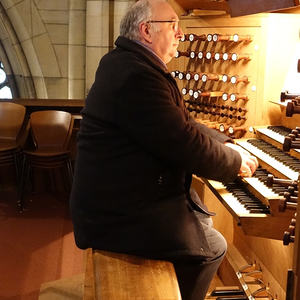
(36, 246)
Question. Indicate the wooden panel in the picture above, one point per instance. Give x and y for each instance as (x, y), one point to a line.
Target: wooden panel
(203, 4)
(246, 7)
(235, 7)
(269, 227)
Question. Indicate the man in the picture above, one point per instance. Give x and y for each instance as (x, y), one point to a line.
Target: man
(137, 150)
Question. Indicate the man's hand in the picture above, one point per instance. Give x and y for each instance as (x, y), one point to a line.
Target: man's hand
(249, 162)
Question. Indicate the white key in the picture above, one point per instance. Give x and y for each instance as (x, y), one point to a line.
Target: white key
(272, 134)
(264, 190)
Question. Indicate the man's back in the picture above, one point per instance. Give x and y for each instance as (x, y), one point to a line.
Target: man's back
(125, 197)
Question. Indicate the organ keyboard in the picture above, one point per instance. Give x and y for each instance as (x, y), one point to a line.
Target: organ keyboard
(256, 212)
(275, 135)
(250, 200)
(273, 158)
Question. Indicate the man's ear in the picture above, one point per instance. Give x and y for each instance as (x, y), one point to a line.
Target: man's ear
(145, 32)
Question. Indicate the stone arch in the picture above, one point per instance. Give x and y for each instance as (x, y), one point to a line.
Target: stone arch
(14, 59)
(32, 56)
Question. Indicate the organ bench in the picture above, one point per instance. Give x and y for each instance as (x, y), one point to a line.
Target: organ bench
(116, 276)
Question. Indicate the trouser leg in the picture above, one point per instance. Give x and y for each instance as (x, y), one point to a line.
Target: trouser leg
(194, 278)
(195, 274)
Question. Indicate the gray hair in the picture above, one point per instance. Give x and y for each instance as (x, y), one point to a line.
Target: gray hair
(139, 12)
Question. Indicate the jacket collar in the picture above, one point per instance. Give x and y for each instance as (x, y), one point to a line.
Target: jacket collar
(147, 54)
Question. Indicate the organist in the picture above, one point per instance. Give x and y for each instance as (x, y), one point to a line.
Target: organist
(137, 151)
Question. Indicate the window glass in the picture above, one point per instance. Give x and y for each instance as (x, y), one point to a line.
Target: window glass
(5, 91)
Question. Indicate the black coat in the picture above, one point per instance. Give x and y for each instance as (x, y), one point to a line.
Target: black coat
(137, 149)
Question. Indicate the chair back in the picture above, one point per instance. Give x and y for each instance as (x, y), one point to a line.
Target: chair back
(51, 129)
(11, 120)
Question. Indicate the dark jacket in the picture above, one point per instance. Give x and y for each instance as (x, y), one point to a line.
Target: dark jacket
(137, 149)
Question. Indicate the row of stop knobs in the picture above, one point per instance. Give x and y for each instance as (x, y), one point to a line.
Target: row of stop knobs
(216, 106)
(224, 128)
(215, 37)
(204, 77)
(225, 96)
(217, 56)
(227, 116)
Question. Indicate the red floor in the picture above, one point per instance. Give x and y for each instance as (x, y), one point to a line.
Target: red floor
(36, 246)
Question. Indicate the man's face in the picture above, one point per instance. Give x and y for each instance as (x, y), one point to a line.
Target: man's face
(165, 36)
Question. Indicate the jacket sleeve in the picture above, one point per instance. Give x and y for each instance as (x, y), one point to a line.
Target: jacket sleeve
(211, 132)
(147, 112)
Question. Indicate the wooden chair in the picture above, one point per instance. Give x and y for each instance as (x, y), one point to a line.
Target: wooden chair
(116, 276)
(11, 124)
(50, 132)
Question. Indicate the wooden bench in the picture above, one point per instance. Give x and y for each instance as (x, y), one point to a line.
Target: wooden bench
(116, 276)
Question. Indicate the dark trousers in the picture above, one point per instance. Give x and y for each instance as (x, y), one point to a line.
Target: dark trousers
(195, 274)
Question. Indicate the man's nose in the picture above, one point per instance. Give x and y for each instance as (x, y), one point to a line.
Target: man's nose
(179, 33)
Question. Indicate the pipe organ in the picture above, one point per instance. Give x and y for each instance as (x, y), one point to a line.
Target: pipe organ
(232, 74)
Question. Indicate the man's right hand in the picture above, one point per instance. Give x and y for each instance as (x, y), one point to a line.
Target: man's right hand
(249, 162)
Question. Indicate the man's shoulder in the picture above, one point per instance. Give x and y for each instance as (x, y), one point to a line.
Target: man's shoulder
(121, 56)
(129, 52)
(121, 61)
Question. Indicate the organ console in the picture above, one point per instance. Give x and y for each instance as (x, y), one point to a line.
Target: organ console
(236, 59)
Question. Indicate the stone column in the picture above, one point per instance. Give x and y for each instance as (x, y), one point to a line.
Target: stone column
(102, 28)
(77, 49)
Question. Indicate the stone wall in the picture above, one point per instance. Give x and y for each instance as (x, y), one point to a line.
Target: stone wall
(52, 48)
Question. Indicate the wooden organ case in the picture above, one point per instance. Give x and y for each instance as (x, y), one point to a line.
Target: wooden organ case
(231, 72)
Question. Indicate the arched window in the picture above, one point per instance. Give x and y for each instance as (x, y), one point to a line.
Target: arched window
(5, 91)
